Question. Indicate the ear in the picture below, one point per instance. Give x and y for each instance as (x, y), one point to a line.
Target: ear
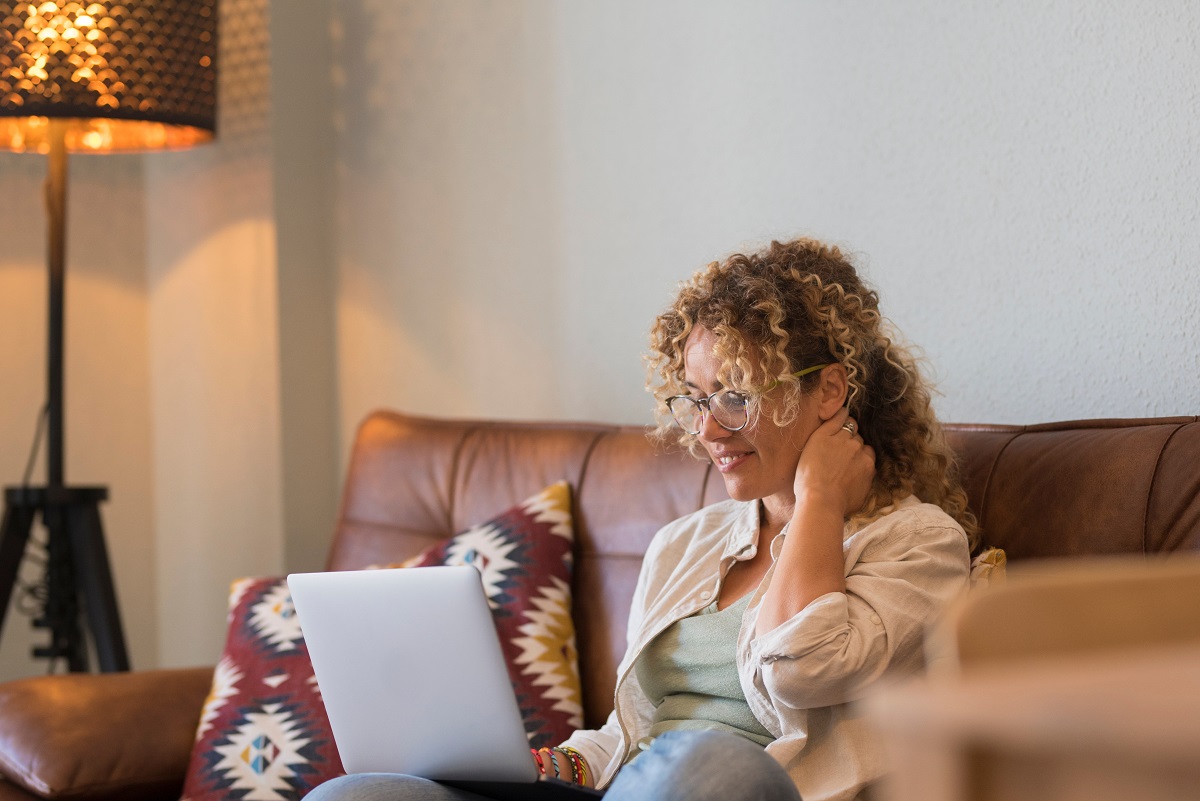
(832, 391)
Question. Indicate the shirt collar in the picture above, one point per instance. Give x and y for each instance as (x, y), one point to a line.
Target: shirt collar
(743, 539)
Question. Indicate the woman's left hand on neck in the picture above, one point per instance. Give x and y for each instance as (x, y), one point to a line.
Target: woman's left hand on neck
(833, 480)
(836, 468)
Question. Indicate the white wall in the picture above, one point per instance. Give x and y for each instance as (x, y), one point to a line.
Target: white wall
(522, 184)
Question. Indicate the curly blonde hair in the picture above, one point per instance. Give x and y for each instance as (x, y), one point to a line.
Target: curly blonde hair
(795, 305)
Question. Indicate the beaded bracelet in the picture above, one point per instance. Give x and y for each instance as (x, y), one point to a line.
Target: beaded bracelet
(574, 759)
(578, 765)
(537, 757)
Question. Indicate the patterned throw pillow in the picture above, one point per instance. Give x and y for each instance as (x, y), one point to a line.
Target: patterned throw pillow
(264, 734)
(263, 730)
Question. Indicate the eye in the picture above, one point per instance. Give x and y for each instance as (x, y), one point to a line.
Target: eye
(732, 400)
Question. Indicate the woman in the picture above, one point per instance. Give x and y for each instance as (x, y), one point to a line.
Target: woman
(757, 621)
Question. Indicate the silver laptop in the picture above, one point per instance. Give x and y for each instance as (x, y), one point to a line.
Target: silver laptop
(414, 680)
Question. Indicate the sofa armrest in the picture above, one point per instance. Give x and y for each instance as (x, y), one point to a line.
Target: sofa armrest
(101, 736)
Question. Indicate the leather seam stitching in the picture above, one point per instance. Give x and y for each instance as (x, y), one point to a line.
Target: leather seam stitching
(455, 466)
(577, 491)
(987, 484)
(1153, 484)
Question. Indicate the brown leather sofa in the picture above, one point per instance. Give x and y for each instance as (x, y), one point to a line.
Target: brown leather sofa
(1055, 490)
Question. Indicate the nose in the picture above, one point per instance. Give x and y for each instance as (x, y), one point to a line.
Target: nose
(710, 429)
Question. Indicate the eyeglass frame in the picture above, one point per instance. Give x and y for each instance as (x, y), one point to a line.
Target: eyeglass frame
(705, 409)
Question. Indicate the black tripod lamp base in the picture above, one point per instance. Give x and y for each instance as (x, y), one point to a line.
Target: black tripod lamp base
(78, 575)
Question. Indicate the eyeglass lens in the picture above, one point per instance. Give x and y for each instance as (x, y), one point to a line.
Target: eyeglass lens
(728, 408)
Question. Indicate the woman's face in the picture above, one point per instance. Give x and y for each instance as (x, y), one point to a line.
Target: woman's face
(758, 462)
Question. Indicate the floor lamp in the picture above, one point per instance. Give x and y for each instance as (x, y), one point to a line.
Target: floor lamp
(90, 77)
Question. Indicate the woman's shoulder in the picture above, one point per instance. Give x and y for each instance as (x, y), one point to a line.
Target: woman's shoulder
(715, 520)
(726, 512)
(910, 516)
(912, 508)
(696, 541)
(915, 533)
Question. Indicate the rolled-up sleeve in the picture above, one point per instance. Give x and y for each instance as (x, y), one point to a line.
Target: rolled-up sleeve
(832, 649)
(598, 746)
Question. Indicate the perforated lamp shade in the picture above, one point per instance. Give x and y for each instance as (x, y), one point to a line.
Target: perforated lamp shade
(118, 76)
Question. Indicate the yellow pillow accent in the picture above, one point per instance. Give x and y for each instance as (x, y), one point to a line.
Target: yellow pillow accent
(988, 568)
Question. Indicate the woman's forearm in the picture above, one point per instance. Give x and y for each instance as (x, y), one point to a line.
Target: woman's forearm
(809, 565)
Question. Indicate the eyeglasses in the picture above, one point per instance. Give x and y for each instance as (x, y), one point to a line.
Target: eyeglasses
(729, 407)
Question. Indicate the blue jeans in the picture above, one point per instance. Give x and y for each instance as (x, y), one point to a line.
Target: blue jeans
(678, 766)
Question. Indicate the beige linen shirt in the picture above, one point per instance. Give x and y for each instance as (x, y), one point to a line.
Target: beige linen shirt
(800, 678)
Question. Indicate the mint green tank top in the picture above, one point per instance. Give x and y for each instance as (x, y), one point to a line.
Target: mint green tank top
(689, 672)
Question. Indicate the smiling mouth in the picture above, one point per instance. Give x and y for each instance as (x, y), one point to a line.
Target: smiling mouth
(727, 462)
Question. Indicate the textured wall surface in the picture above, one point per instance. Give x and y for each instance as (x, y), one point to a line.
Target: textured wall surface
(521, 185)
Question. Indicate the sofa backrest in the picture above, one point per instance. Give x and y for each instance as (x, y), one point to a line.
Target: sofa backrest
(1060, 489)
